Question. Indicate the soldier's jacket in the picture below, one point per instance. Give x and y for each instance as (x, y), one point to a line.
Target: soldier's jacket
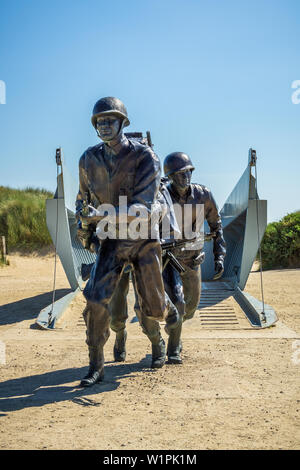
(131, 169)
(200, 194)
(168, 227)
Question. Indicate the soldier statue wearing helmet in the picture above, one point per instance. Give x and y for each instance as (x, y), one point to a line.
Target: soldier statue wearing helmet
(119, 166)
(177, 161)
(182, 288)
(112, 107)
(178, 168)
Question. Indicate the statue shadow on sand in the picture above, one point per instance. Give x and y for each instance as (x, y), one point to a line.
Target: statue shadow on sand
(58, 386)
(27, 309)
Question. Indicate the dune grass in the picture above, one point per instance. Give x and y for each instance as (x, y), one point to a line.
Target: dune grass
(23, 218)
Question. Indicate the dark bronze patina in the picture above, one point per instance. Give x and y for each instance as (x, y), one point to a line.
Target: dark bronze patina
(119, 166)
(184, 288)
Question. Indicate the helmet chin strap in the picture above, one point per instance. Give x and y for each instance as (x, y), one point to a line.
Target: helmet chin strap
(121, 126)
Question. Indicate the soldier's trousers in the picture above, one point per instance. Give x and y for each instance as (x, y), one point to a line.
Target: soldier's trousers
(184, 289)
(119, 310)
(145, 257)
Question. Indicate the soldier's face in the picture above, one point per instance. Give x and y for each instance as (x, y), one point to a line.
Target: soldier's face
(182, 179)
(108, 127)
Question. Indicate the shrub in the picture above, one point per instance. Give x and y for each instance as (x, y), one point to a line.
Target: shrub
(281, 243)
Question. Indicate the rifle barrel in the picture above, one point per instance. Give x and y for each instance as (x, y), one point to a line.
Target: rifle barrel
(175, 263)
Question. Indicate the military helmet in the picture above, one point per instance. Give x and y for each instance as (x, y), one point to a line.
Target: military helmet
(109, 105)
(177, 161)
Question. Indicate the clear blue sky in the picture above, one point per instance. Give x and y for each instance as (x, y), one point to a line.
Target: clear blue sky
(210, 78)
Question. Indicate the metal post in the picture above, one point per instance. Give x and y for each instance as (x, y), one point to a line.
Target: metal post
(3, 248)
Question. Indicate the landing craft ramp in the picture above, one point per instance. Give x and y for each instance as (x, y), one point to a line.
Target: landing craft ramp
(244, 219)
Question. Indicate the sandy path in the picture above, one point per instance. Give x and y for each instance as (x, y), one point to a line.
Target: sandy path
(237, 389)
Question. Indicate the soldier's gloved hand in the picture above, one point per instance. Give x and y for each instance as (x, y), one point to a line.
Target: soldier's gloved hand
(219, 269)
(93, 216)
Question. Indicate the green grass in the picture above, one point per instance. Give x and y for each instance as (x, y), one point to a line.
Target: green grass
(281, 243)
(23, 218)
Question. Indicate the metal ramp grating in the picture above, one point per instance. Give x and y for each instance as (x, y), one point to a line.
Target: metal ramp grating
(220, 308)
(216, 308)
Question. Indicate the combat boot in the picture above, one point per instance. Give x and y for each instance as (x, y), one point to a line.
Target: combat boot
(174, 345)
(96, 371)
(93, 376)
(158, 354)
(180, 342)
(120, 346)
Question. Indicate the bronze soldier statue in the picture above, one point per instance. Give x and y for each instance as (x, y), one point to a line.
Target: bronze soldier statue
(186, 287)
(183, 286)
(118, 305)
(119, 167)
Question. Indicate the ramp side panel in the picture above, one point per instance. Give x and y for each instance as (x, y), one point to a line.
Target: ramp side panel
(233, 223)
(56, 311)
(251, 240)
(234, 237)
(70, 190)
(237, 201)
(258, 315)
(80, 255)
(63, 245)
(207, 267)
